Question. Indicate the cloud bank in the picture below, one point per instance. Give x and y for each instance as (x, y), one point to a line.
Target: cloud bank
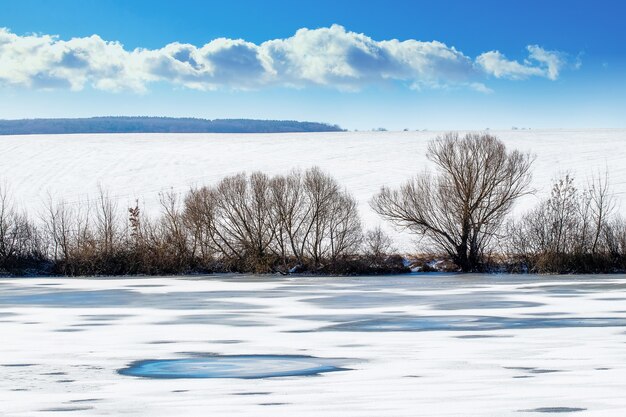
(539, 63)
(332, 57)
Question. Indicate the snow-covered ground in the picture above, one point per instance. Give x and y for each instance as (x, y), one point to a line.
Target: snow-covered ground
(134, 166)
(435, 345)
(431, 345)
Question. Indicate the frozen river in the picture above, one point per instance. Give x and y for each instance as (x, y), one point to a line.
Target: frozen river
(432, 345)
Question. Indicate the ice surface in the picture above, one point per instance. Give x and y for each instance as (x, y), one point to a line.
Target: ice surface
(495, 345)
(141, 165)
(233, 366)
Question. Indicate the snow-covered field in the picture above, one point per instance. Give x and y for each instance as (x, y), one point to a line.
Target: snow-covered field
(431, 345)
(134, 166)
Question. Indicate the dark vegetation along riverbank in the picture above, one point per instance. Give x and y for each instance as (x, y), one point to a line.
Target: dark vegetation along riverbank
(305, 222)
(157, 125)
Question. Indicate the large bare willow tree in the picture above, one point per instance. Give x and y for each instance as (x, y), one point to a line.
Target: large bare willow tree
(460, 208)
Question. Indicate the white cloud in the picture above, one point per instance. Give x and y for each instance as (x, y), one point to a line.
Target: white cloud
(331, 57)
(44, 61)
(552, 61)
(335, 57)
(481, 88)
(540, 62)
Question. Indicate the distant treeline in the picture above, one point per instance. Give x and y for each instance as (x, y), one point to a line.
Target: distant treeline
(157, 125)
(306, 222)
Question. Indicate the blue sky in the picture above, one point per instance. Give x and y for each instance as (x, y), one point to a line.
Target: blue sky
(455, 64)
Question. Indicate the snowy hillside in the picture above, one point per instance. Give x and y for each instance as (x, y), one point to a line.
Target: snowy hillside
(141, 165)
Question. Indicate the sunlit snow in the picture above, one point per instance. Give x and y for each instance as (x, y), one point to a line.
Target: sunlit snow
(436, 345)
(132, 166)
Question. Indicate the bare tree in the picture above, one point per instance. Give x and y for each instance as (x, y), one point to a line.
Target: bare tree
(460, 209)
(291, 215)
(234, 219)
(320, 190)
(602, 207)
(199, 218)
(332, 227)
(69, 233)
(562, 214)
(615, 235)
(57, 221)
(107, 222)
(259, 222)
(243, 220)
(542, 235)
(8, 237)
(171, 234)
(344, 227)
(19, 238)
(377, 244)
(573, 230)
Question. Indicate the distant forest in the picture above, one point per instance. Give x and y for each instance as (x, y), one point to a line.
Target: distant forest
(157, 125)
